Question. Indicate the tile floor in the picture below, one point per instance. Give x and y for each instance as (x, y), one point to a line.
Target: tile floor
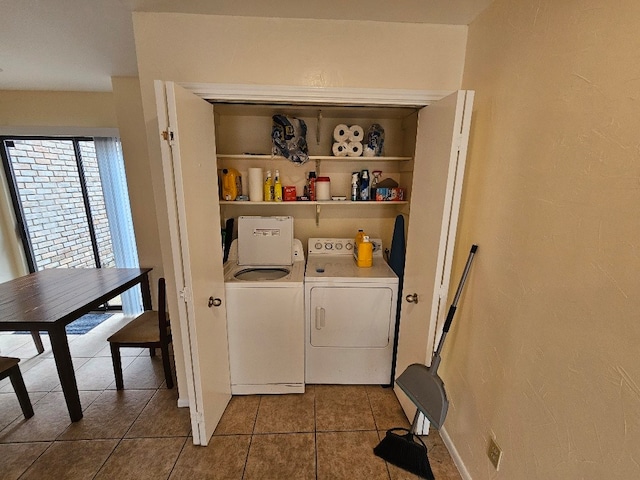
(326, 433)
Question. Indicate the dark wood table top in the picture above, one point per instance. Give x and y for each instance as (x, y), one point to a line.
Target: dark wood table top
(53, 297)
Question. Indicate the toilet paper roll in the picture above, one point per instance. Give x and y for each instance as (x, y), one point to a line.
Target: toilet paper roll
(354, 149)
(340, 149)
(356, 133)
(341, 133)
(256, 180)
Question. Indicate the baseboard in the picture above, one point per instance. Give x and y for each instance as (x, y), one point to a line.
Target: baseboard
(455, 456)
(183, 402)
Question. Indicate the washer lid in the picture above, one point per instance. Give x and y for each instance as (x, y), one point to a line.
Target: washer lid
(265, 240)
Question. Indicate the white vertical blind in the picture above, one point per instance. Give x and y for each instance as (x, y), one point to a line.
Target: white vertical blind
(116, 197)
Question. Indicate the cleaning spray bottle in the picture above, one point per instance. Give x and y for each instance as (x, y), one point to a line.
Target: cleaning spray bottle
(268, 188)
(277, 188)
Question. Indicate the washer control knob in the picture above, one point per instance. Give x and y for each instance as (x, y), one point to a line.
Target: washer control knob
(328, 246)
(338, 246)
(349, 246)
(318, 246)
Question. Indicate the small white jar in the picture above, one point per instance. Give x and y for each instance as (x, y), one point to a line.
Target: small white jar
(323, 188)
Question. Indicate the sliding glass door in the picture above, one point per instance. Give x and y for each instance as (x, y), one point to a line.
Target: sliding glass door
(63, 216)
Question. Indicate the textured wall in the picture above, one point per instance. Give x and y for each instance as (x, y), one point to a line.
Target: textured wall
(544, 353)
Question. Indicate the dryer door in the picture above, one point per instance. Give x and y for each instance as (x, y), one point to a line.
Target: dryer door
(351, 316)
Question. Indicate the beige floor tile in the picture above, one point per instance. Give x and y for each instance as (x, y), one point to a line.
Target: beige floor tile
(110, 415)
(50, 419)
(142, 372)
(442, 464)
(387, 411)
(71, 460)
(240, 416)
(343, 407)
(286, 413)
(22, 346)
(223, 459)
(142, 459)
(281, 456)
(15, 458)
(349, 455)
(40, 374)
(161, 417)
(10, 410)
(96, 373)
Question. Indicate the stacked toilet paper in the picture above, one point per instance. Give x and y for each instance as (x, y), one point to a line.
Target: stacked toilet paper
(347, 141)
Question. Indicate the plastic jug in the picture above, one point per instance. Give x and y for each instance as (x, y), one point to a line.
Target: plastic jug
(365, 253)
(358, 240)
(231, 183)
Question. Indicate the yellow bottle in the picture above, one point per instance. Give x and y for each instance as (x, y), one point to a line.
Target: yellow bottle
(277, 188)
(358, 240)
(268, 188)
(231, 183)
(365, 253)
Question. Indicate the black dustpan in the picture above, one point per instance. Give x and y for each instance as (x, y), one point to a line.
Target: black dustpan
(404, 449)
(422, 384)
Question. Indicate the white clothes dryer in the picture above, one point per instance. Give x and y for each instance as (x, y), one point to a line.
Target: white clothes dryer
(265, 308)
(350, 315)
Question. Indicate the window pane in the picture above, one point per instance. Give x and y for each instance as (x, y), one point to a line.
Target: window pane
(96, 200)
(49, 188)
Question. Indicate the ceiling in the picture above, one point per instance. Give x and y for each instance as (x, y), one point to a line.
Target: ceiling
(78, 45)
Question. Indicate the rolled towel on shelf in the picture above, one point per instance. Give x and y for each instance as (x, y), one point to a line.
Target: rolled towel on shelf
(356, 133)
(341, 133)
(354, 149)
(256, 184)
(340, 149)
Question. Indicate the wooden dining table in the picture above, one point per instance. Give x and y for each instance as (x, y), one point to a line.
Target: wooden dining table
(50, 299)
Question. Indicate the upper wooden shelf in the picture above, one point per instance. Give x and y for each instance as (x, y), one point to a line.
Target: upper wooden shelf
(314, 157)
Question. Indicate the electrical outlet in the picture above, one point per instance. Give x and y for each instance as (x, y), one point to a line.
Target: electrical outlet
(494, 453)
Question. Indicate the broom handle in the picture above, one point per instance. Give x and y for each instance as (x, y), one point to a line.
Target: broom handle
(452, 309)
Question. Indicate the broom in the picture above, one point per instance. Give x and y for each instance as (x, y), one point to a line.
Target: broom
(402, 450)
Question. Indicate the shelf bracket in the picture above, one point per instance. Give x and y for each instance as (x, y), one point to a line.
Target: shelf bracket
(318, 161)
(318, 208)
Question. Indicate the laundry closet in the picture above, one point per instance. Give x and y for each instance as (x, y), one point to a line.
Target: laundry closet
(205, 128)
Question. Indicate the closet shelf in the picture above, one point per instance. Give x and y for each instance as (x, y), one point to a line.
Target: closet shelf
(314, 157)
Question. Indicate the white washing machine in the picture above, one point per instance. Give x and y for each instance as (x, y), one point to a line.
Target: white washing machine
(264, 286)
(350, 314)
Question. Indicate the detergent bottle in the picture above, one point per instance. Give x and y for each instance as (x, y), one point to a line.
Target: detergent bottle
(356, 243)
(231, 183)
(365, 253)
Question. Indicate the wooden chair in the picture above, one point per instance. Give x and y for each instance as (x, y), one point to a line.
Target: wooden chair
(150, 330)
(9, 368)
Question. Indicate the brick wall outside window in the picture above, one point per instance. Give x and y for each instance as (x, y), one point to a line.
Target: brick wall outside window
(49, 187)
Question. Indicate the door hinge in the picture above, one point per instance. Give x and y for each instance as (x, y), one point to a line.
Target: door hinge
(458, 142)
(198, 417)
(185, 294)
(167, 136)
